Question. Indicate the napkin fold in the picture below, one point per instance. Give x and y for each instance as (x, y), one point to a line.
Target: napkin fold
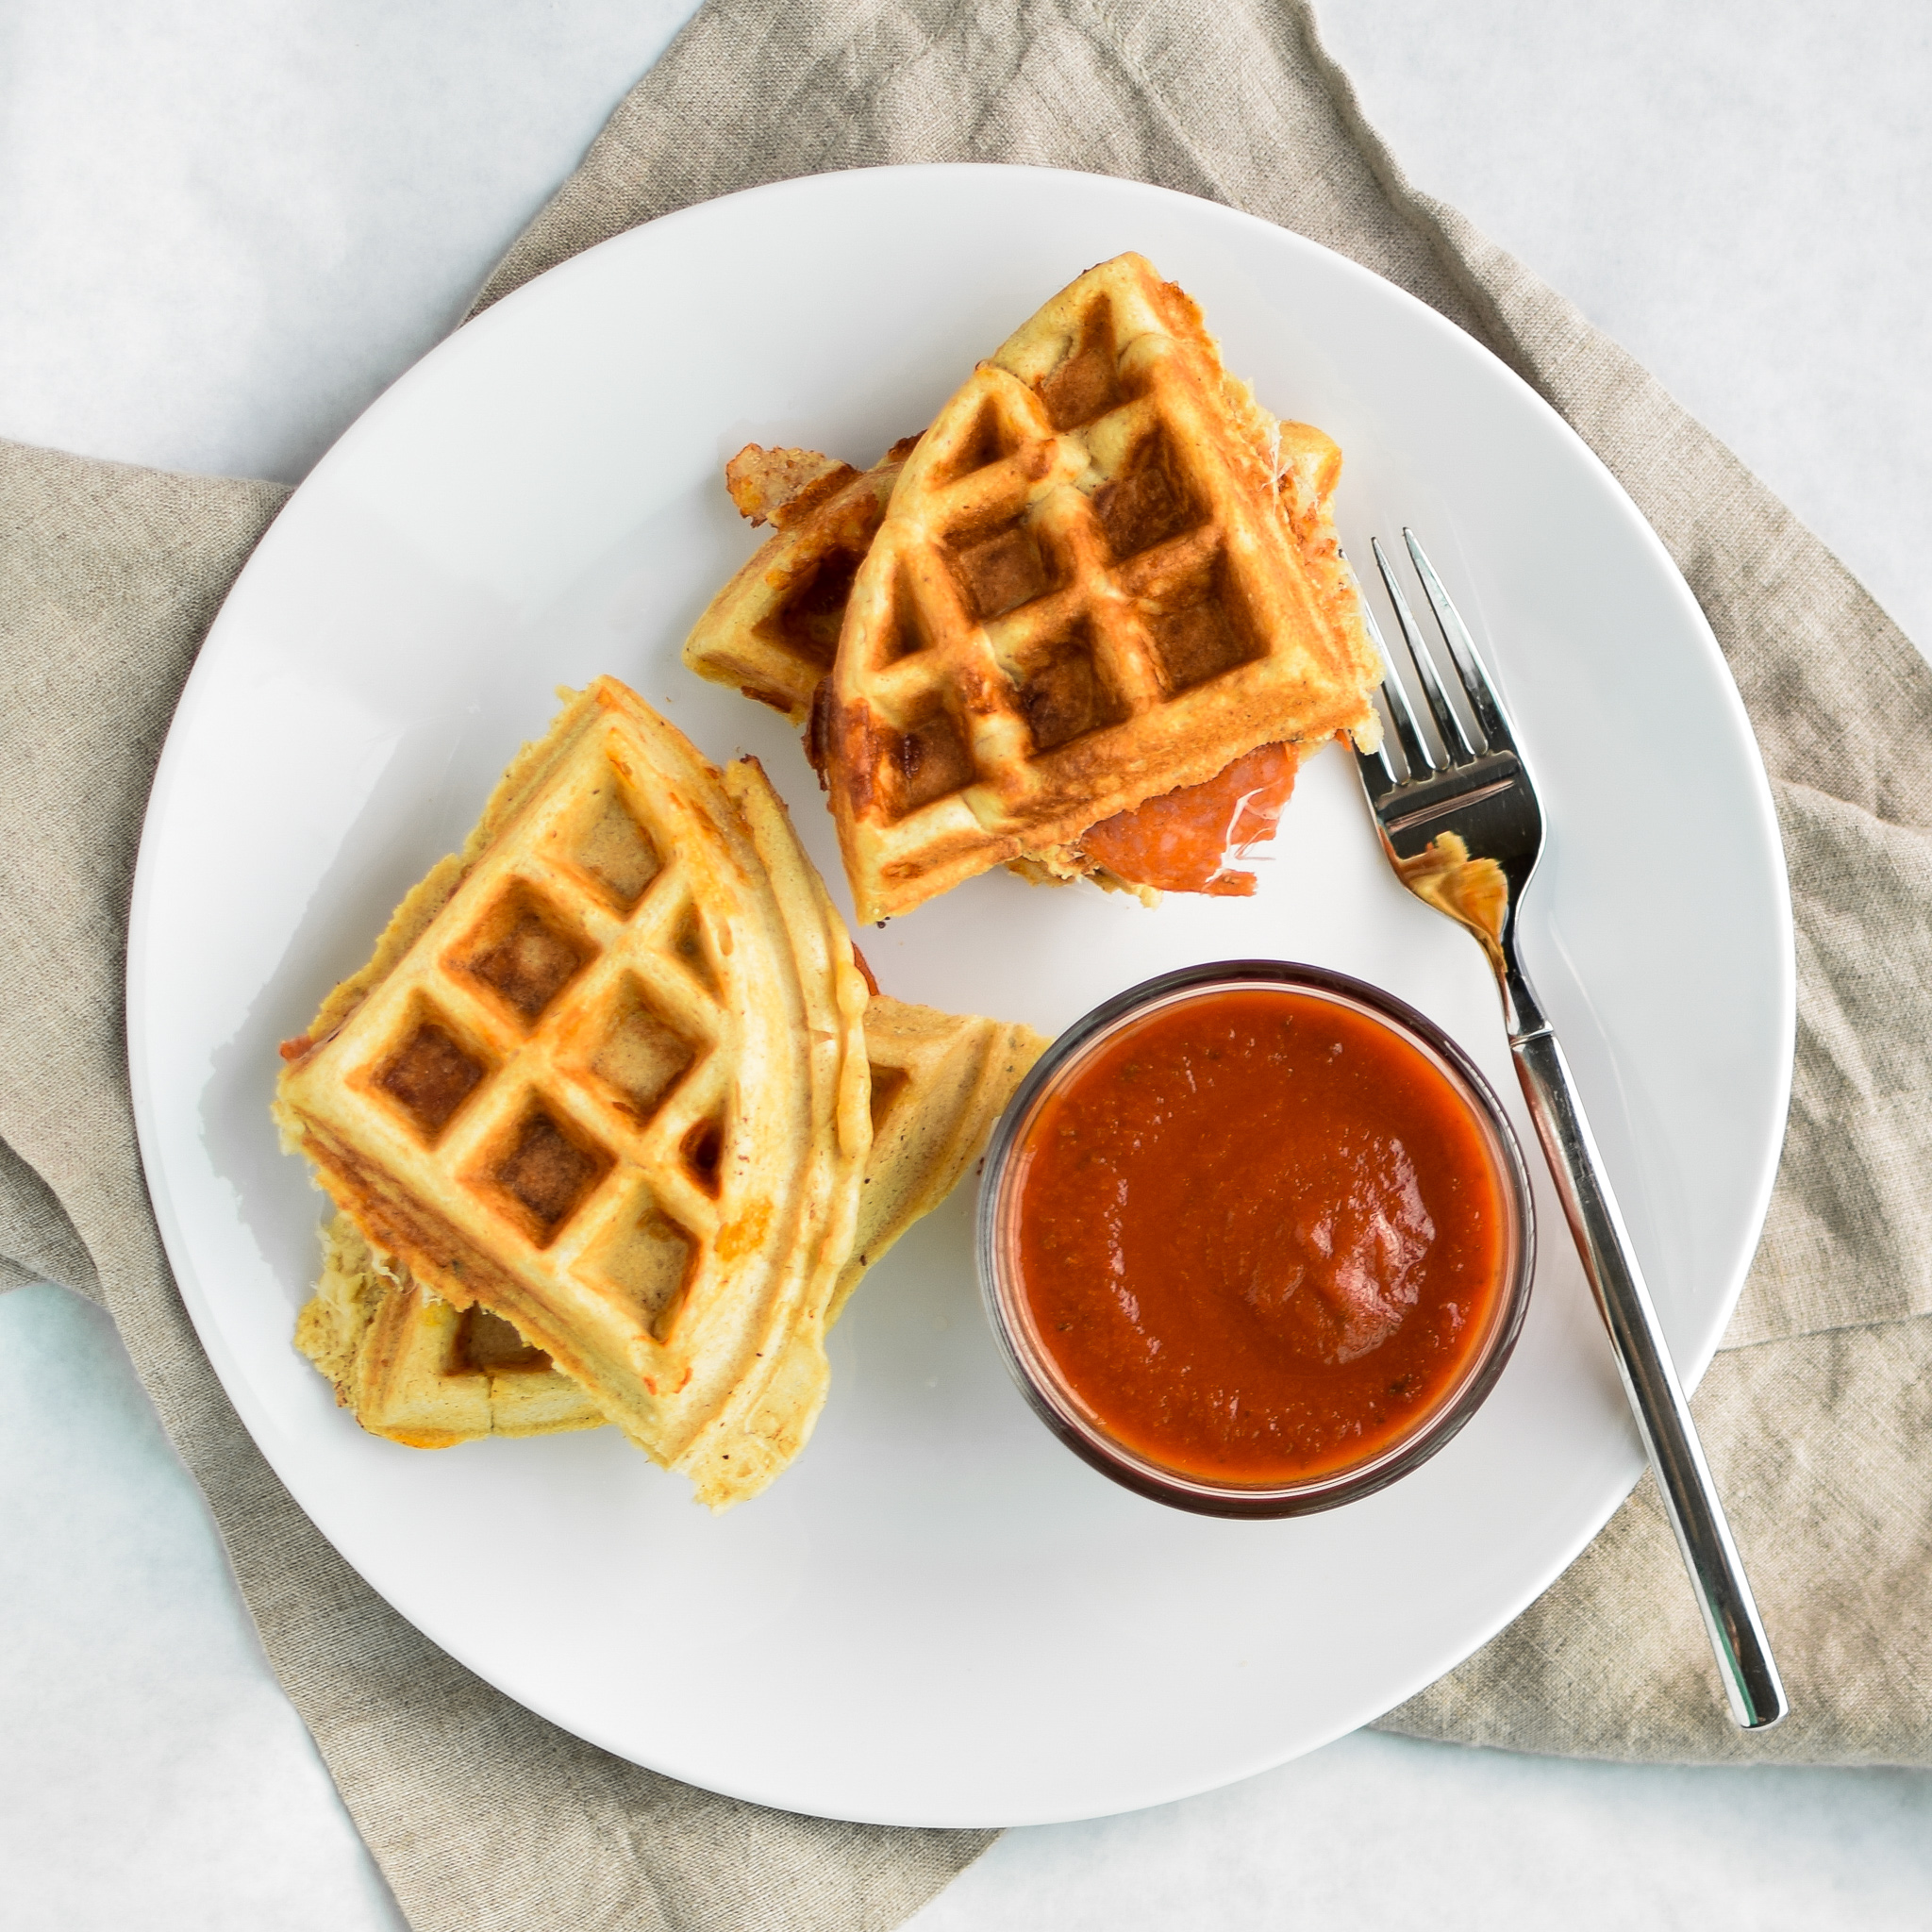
(1817, 1413)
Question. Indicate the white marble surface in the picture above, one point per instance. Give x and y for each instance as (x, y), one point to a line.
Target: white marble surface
(224, 226)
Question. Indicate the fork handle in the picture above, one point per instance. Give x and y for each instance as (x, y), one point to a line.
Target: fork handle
(1650, 1380)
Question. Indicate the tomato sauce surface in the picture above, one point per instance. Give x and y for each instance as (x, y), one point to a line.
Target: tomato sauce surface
(1260, 1235)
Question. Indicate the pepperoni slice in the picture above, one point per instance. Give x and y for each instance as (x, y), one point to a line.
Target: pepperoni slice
(1175, 843)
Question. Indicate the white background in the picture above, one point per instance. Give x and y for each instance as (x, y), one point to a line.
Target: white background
(225, 225)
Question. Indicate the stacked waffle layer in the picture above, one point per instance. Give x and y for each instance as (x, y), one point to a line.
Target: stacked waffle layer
(772, 630)
(1104, 572)
(1103, 578)
(605, 1079)
(420, 1371)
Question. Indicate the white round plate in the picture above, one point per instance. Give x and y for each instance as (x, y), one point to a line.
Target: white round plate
(940, 1616)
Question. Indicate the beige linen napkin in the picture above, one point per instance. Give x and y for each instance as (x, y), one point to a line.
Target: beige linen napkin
(1816, 1414)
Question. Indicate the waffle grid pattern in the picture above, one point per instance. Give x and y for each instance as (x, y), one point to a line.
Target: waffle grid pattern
(553, 1063)
(419, 1370)
(773, 631)
(1089, 591)
(1027, 612)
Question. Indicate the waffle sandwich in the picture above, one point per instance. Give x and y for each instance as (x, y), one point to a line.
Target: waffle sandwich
(1104, 572)
(605, 1077)
(416, 1369)
(772, 630)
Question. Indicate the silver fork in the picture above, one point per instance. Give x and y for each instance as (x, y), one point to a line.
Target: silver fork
(1478, 793)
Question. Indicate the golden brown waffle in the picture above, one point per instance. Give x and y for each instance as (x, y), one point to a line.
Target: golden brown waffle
(606, 1077)
(417, 1369)
(770, 629)
(774, 629)
(938, 1083)
(1105, 572)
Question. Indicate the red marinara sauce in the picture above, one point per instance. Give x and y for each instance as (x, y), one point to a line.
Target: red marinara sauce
(1260, 1235)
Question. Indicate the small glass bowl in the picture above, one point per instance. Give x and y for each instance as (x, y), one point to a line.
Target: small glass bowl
(1033, 1367)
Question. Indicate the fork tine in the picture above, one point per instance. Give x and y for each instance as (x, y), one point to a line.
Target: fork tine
(1414, 751)
(1483, 700)
(1385, 777)
(1456, 743)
